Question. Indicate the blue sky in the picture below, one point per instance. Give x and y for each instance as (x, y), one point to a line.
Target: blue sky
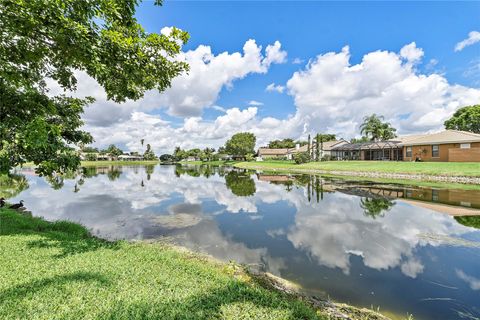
(307, 30)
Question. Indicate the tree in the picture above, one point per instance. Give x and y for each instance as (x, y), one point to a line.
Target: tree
(166, 158)
(360, 140)
(88, 149)
(308, 146)
(282, 144)
(208, 153)
(149, 154)
(44, 39)
(318, 146)
(375, 129)
(465, 119)
(113, 151)
(179, 154)
(241, 144)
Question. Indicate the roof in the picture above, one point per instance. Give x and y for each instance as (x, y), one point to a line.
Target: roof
(368, 145)
(303, 148)
(272, 152)
(327, 146)
(443, 137)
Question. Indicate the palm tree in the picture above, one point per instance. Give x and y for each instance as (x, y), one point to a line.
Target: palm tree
(142, 141)
(376, 207)
(374, 127)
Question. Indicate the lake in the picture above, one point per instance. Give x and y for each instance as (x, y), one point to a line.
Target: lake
(386, 246)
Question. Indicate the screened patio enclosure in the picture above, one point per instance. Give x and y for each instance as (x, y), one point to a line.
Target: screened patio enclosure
(375, 150)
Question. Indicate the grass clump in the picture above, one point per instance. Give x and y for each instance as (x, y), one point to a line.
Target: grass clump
(58, 270)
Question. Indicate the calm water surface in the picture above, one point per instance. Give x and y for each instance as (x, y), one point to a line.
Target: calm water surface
(366, 244)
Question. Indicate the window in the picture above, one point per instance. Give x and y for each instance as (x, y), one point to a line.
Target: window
(409, 152)
(465, 146)
(435, 195)
(435, 151)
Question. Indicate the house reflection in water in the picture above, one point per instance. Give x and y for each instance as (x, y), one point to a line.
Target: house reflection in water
(454, 202)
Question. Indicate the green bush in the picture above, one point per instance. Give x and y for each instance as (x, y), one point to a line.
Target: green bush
(91, 157)
(301, 157)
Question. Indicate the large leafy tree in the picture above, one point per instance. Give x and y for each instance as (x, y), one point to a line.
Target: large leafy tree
(54, 39)
(374, 128)
(241, 144)
(113, 151)
(465, 119)
(280, 144)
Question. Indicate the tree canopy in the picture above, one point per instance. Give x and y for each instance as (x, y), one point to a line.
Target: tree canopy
(45, 40)
(241, 144)
(113, 150)
(149, 154)
(465, 119)
(374, 128)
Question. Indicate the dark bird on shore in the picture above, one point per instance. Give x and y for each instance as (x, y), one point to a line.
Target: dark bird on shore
(2, 202)
(17, 205)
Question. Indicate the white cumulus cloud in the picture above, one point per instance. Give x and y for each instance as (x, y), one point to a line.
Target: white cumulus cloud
(332, 95)
(273, 87)
(473, 37)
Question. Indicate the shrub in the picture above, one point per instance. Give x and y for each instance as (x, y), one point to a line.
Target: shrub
(301, 157)
(91, 157)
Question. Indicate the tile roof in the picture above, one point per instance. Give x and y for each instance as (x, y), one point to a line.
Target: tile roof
(272, 152)
(442, 137)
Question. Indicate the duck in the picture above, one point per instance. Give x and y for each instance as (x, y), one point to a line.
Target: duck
(17, 206)
(2, 202)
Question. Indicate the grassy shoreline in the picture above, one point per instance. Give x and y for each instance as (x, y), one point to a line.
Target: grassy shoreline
(412, 172)
(58, 268)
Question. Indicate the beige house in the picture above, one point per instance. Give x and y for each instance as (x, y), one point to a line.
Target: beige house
(326, 150)
(446, 146)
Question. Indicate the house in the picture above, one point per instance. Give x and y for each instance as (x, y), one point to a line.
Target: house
(446, 146)
(288, 153)
(268, 153)
(95, 156)
(130, 157)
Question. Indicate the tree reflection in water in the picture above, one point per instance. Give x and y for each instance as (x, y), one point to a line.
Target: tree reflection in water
(11, 185)
(240, 183)
(376, 207)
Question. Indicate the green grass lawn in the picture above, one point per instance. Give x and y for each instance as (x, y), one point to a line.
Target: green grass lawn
(57, 270)
(429, 168)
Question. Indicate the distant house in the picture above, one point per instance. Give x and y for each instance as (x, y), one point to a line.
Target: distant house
(446, 146)
(288, 153)
(130, 157)
(191, 158)
(94, 156)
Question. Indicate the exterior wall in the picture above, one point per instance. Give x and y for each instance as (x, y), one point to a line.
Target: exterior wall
(464, 155)
(447, 153)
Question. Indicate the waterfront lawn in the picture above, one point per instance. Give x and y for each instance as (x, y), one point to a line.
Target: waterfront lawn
(428, 168)
(58, 270)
